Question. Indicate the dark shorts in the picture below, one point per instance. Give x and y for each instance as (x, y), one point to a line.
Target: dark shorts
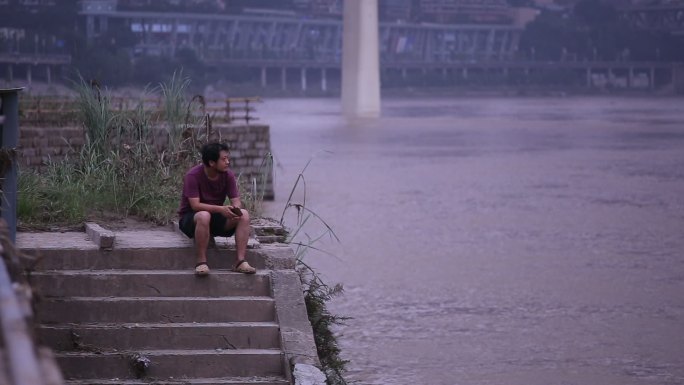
(217, 225)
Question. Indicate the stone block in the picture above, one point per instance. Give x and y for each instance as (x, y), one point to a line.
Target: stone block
(306, 374)
(103, 238)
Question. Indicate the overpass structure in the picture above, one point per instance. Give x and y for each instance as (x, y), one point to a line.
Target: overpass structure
(276, 37)
(286, 43)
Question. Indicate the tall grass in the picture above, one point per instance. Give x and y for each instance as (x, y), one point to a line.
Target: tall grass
(252, 190)
(96, 115)
(174, 102)
(123, 168)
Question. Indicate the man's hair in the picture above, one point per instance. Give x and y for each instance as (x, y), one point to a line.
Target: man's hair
(212, 152)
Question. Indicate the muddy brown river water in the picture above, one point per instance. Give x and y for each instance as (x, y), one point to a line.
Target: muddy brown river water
(491, 240)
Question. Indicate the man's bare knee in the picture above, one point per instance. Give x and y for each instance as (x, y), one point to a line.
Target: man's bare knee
(202, 218)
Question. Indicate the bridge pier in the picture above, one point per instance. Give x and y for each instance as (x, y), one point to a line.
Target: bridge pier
(283, 78)
(589, 77)
(324, 80)
(303, 78)
(361, 59)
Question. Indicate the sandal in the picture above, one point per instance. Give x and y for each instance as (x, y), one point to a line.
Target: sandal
(201, 269)
(244, 267)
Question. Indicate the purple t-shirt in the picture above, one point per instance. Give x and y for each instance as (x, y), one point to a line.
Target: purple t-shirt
(213, 192)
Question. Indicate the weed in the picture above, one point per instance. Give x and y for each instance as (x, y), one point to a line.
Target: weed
(124, 168)
(316, 292)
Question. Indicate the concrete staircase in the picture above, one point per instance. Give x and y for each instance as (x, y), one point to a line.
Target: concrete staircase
(139, 315)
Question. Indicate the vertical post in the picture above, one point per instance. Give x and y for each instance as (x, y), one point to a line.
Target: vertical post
(361, 59)
(229, 116)
(283, 78)
(263, 77)
(303, 78)
(652, 79)
(588, 77)
(10, 138)
(324, 80)
(48, 72)
(174, 37)
(10, 73)
(28, 74)
(90, 28)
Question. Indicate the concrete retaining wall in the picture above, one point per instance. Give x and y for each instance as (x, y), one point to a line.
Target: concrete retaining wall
(249, 145)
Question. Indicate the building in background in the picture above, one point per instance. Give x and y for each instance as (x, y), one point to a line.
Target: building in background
(655, 15)
(465, 11)
(319, 8)
(396, 10)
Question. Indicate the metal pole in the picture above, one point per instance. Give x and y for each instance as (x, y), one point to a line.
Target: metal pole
(10, 139)
(23, 363)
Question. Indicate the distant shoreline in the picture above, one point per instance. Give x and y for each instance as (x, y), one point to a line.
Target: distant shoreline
(233, 90)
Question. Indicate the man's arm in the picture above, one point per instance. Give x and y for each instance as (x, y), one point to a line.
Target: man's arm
(236, 202)
(196, 205)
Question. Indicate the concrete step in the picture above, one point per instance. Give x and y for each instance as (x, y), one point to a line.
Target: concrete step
(236, 335)
(269, 380)
(139, 259)
(167, 283)
(155, 309)
(176, 364)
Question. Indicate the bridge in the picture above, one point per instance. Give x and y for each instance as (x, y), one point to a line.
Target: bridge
(292, 51)
(221, 39)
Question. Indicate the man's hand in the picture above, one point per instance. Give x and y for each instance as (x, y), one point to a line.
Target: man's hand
(231, 212)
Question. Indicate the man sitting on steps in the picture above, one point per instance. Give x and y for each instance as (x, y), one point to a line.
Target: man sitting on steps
(202, 213)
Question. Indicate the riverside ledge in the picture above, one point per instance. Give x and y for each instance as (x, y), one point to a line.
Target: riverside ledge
(165, 246)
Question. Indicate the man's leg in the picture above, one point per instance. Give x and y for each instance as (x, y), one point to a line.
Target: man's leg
(202, 219)
(242, 228)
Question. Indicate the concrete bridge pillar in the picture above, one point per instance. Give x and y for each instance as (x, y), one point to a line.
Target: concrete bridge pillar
(324, 80)
(361, 59)
(652, 79)
(283, 78)
(303, 78)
